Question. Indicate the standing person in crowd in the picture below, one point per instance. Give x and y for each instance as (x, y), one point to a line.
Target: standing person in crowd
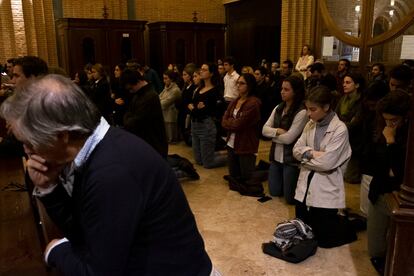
(143, 116)
(284, 126)
(388, 158)
(266, 95)
(323, 150)
(306, 58)
(230, 79)
(27, 68)
(151, 76)
(344, 66)
(119, 95)
(241, 120)
(168, 98)
(105, 200)
(274, 69)
(187, 92)
(378, 73)
(81, 79)
(100, 92)
(203, 112)
(88, 72)
(286, 69)
(221, 70)
(348, 106)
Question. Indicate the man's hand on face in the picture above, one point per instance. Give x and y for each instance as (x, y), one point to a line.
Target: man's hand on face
(42, 173)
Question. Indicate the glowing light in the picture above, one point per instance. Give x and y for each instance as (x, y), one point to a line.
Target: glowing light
(392, 2)
(357, 8)
(391, 12)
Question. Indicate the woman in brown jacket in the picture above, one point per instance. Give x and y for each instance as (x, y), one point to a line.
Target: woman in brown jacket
(241, 120)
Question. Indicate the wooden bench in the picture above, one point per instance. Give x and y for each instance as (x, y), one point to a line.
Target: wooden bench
(21, 249)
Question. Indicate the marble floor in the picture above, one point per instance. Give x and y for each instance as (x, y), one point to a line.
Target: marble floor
(235, 226)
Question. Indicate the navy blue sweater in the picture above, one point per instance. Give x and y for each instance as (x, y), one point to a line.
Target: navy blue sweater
(127, 216)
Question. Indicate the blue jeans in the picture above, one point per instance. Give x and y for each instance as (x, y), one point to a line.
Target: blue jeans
(204, 143)
(282, 180)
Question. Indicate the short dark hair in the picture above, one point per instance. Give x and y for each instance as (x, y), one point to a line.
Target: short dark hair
(401, 73)
(262, 70)
(347, 62)
(317, 66)
(380, 66)
(230, 60)
(396, 103)
(32, 66)
(11, 60)
(130, 77)
(289, 63)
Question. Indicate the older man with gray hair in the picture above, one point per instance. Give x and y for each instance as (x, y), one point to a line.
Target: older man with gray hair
(116, 200)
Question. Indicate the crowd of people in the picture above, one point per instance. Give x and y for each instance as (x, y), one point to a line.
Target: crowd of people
(325, 129)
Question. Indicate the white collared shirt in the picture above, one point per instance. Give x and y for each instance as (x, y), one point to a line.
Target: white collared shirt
(230, 87)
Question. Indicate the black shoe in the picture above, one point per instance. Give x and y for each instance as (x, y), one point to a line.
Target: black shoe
(358, 222)
(379, 264)
(250, 190)
(234, 187)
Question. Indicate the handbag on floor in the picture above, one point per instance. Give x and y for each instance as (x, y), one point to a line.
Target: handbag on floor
(293, 241)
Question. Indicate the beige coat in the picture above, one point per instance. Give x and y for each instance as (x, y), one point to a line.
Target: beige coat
(168, 97)
(327, 186)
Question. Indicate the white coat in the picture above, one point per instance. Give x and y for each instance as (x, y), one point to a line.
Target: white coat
(326, 189)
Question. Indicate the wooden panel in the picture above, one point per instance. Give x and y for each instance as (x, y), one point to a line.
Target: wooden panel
(107, 36)
(20, 251)
(166, 39)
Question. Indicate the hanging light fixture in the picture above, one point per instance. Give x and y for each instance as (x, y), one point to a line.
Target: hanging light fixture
(392, 3)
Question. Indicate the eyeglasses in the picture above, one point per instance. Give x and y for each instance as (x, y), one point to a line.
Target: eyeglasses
(241, 83)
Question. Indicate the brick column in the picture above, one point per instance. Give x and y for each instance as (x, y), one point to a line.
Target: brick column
(296, 28)
(7, 45)
(49, 21)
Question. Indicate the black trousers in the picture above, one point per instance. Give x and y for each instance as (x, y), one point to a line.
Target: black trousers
(330, 229)
(241, 166)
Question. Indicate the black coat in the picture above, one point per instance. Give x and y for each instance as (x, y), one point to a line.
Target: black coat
(144, 118)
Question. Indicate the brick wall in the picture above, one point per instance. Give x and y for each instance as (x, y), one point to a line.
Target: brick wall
(27, 28)
(166, 10)
(162, 10)
(116, 9)
(296, 28)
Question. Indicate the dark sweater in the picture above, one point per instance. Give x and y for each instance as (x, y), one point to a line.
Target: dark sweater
(385, 158)
(144, 118)
(127, 216)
